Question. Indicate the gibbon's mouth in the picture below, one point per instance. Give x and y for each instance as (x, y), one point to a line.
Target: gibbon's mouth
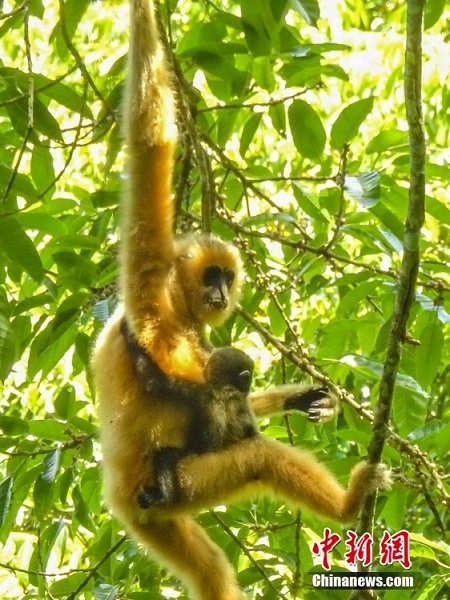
(216, 299)
(217, 304)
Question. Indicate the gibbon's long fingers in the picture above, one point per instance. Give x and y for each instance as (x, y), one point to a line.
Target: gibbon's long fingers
(259, 463)
(150, 133)
(188, 551)
(320, 404)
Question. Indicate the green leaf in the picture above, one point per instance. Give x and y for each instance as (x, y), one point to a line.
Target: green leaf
(248, 133)
(45, 122)
(308, 203)
(350, 301)
(6, 486)
(277, 115)
(7, 345)
(437, 209)
(104, 199)
(51, 466)
(433, 12)
(432, 586)
(104, 591)
(64, 95)
(394, 509)
(19, 247)
(29, 303)
(263, 73)
(44, 494)
(73, 12)
(68, 584)
(347, 124)
(65, 402)
(49, 429)
(389, 220)
(387, 140)
(82, 513)
(268, 217)
(409, 410)
(11, 425)
(308, 9)
(47, 541)
(42, 222)
(307, 130)
(257, 34)
(277, 323)
(365, 188)
(374, 371)
(429, 354)
(22, 185)
(42, 170)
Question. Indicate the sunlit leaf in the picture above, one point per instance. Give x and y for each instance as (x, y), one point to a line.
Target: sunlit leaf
(347, 124)
(6, 487)
(308, 9)
(307, 130)
(19, 247)
(365, 188)
(429, 353)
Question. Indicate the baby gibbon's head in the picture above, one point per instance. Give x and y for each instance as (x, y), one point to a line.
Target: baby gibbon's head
(208, 274)
(230, 367)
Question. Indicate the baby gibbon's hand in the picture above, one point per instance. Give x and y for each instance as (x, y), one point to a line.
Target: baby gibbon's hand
(318, 403)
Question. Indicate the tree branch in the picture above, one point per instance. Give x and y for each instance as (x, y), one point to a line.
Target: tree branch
(411, 243)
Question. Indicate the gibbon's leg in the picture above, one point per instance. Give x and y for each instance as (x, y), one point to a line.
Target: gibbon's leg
(260, 464)
(188, 551)
(316, 401)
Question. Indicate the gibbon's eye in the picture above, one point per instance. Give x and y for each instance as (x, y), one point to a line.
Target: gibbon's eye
(229, 277)
(244, 381)
(216, 276)
(212, 276)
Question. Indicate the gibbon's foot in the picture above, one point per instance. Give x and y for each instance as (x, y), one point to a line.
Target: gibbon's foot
(379, 476)
(149, 497)
(318, 403)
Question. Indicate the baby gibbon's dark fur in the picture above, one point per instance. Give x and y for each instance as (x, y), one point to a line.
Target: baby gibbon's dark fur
(172, 288)
(220, 413)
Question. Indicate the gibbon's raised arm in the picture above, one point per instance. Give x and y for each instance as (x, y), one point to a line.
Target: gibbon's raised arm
(150, 133)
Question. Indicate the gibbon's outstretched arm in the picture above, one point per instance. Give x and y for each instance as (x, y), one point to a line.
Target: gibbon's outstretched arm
(318, 402)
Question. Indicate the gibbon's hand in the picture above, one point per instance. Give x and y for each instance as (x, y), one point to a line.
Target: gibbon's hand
(319, 404)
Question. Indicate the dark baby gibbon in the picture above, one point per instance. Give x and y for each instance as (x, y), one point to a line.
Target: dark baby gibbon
(171, 289)
(219, 413)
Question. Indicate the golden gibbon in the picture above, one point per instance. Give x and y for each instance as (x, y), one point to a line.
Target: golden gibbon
(171, 288)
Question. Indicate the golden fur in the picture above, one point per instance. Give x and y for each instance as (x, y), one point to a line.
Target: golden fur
(164, 304)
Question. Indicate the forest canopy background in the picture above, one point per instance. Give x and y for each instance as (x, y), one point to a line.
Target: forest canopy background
(293, 143)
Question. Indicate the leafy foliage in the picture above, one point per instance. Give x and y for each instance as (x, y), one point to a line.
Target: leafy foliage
(293, 115)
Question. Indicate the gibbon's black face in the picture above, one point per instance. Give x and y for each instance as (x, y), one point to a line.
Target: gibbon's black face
(217, 282)
(230, 367)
